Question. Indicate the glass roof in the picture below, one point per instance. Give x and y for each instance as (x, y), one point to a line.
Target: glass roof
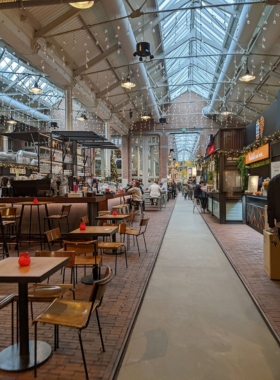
(15, 75)
(189, 34)
(185, 145)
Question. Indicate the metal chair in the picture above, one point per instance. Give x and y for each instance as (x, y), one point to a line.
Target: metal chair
(74, 314)
(52, 236)
(65, 211)
(136, 233)
(196, 202)
(5, 301)
(84, 248)
(112, 248)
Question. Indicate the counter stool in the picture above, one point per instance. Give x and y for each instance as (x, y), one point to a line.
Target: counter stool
(196, 202)
(84, 219)
(65, 211)
(121, 209)
(140, 211)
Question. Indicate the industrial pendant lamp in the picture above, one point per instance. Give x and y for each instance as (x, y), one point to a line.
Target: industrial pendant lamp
(145, 116)
(248, 77)
(36, 89)
(83, 4)
(128, 84)
(82, 117)
(225, 111)
(11, 121)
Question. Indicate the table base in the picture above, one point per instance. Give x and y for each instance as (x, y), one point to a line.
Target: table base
(88, 280)
(10, 359)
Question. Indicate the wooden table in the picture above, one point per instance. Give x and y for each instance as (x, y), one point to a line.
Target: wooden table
(31, 204)
(20, 356)
(94, 231)
(114, 218)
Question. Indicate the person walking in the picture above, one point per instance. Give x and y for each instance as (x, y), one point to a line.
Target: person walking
(190, 190)
(185, 190)
(199, 194)
(174, 187)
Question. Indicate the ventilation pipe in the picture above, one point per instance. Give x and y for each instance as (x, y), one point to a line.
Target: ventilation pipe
(113, 9)
(10, 102)
(241, 41)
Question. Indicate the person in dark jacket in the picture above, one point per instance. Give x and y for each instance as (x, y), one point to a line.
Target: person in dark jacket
(199, 194)
(273, 203)
(174, 187)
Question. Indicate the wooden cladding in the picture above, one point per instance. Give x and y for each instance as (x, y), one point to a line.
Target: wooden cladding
(232, 139)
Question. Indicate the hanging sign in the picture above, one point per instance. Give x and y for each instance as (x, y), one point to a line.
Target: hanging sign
(211, 149)
(258, 154)
(259, 128)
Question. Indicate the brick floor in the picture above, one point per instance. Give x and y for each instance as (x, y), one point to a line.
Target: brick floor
(116, 314)
(244, 248)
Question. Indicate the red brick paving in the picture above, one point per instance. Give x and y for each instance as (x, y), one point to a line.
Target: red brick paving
(244, 248)
(116, 314)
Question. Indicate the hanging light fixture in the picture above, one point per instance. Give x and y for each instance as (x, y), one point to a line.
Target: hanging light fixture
(36, 89)
(225, 111)
(82, 117)
(83, 4)
(145, 116)
(128, 84)
(11, 121)
(248, 77)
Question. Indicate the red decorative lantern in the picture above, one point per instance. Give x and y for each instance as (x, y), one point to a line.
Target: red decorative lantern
(24, 259)
(115, 213)
(35, 200)
(82, 226)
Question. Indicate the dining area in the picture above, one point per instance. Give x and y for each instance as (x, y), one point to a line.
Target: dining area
(52, 289)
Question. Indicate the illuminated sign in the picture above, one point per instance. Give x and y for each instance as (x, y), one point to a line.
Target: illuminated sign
(257, 155)
(259, 128)
(211, 150)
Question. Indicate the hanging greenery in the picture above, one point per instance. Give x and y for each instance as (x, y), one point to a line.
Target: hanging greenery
(260, 142)
(216, 164)
(243, 171)
(119, 153)
(114, 171)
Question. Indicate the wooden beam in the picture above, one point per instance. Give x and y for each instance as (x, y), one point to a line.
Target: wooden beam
(111, 88)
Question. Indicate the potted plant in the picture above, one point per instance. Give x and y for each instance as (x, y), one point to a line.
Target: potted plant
(210, 178)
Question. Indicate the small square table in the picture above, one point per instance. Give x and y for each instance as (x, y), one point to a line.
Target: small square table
(113, 218)
(94, 231)
(20, 356)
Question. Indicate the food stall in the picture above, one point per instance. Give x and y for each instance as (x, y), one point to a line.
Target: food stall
(262, 160)
(220, 168)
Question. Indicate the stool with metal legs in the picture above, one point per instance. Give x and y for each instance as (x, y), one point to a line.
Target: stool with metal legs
(64, 215)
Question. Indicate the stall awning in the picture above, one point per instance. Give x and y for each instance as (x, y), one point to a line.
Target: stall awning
(80, 136)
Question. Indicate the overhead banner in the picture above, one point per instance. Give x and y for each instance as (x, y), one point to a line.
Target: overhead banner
(257, 155)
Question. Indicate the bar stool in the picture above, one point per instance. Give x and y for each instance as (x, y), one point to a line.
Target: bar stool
(65, 211)
(121, 209)
(140, 211)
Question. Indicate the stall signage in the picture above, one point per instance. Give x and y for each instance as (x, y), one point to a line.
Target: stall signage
(259, 128)
(17, 171)
(211, 149)
(257, 155)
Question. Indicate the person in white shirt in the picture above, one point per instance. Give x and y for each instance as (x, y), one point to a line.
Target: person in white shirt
(136, 194)
(162, 186)
(155, 191)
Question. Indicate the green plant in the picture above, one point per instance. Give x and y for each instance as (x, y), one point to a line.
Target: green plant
(216, 161)
(243, 171)
(210, 176)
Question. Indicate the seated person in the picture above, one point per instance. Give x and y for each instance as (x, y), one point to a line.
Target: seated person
(155, 191)
(199, 194)
(136, 193)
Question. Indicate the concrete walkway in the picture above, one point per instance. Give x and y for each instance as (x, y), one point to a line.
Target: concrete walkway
(197, 321)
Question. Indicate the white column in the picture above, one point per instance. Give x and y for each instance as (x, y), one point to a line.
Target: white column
(68, 109)
(107, 152)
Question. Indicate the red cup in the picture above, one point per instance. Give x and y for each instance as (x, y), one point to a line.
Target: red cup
(115, 213)
(24, 259)
(35, 200)
(82, 226)
(107, 190)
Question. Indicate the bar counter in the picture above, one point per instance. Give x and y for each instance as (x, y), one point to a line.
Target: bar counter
(225, 208)
(255, 212)
(80, 207)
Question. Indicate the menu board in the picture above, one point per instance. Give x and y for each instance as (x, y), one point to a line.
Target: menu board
(253, 183)
(275, 168)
